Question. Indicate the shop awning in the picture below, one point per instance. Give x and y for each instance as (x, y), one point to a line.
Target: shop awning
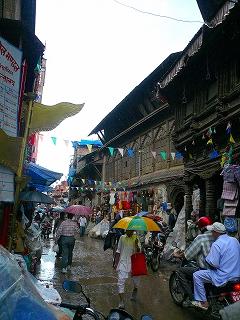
(40, 175)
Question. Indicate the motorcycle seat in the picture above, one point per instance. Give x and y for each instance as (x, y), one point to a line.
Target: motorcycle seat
(227, 287)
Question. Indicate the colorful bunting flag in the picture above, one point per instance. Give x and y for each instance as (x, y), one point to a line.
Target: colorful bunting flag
(66, 142)
(111, 150)
(163, 154)
(210, 141)
(54, 140)
(121, 150)
(83, 180)
(154, 153)
(130, 152)
(231, 139)
(228, 128)
(178, 155)
(89, 146)
(214, 154)
(173, 154)
(41, 137)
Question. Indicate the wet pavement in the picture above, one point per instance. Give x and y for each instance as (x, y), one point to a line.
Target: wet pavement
(92, 267)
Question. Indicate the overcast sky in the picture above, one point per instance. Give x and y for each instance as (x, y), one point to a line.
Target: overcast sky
(97, 51)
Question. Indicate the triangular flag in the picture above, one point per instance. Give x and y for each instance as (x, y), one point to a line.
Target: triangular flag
(41, 137)
(154, 153)
(231, 139)
(54, 140)
(178, 155)
(121, 150)
(111, 150)
(173, 154)
(210, 141)
(130, 153)
(214, 154)
(190, 156)
(38, 67)
(66, 142)
(163, 154)
(229, 127)
(89, 146)
(83, 180)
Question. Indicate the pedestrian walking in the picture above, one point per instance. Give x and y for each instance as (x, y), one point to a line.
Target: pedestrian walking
(55, 228)
(82, 223)
(128, 245)
(67, 231)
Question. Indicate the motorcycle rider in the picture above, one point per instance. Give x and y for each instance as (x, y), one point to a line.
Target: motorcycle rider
(198, 250)
(224, 258)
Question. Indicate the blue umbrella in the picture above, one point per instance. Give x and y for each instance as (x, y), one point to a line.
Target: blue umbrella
(141, 213)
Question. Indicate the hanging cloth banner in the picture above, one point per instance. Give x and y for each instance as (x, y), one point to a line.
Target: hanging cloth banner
(121, 150)
(89, 146)
(111, 150)
(66, 142)
(54, 140)
(130, 153)
(173, 154)
(163, 154)
(154, 153)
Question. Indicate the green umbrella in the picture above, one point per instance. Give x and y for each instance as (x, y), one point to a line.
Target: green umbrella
(137, 224)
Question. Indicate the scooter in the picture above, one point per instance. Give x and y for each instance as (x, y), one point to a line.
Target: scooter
(83, 311)
(218, 297)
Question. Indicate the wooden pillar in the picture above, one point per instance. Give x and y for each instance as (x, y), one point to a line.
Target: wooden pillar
(202, 202)
(210, 197)
(188, 195)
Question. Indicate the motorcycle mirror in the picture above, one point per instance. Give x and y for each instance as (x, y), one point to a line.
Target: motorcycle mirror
(72, 286)
(146, 317)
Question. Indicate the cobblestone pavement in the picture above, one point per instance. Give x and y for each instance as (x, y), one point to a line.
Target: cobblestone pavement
(92, 267)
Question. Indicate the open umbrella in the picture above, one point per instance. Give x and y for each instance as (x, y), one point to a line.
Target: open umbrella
(137, 224)
(35, 196)
(79, 210)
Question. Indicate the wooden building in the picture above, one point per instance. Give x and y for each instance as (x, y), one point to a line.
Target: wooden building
(203, 90)
(143, 122)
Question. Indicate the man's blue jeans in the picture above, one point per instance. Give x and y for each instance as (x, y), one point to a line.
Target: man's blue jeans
(67, 250)
(82, 231)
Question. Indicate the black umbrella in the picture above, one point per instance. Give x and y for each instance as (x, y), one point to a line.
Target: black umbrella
(35, 196)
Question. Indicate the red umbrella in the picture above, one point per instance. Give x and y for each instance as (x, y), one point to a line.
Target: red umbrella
(79, 210)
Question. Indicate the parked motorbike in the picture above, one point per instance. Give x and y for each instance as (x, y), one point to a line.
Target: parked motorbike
(85, 311)
(218, 297)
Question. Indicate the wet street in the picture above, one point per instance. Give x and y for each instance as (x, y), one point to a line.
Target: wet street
(92, 267)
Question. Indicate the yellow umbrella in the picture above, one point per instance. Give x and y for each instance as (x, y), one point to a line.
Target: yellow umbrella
(137, 224)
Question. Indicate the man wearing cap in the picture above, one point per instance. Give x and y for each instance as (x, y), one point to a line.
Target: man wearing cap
(224, 258)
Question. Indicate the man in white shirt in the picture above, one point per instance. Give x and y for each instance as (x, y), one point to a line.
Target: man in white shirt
(128, 244)
(82, 223)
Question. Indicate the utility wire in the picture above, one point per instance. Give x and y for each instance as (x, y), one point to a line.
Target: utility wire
(156, 14)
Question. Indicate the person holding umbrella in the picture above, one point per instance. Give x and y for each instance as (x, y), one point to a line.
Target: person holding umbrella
(67, 231)
(128, 245)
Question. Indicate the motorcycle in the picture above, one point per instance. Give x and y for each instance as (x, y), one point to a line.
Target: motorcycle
(85, 311)
(153, 251)
(218, 297)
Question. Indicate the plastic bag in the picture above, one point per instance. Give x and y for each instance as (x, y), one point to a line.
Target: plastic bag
(56, 248)
(139, 266)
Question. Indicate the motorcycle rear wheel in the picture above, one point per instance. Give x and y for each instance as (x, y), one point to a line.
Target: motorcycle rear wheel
(175, 289)
(155, 263)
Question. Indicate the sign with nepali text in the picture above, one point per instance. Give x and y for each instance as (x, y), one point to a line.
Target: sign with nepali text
(10, 75)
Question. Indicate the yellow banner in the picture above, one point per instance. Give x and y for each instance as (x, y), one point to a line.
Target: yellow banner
(10, 150)
(46, 118)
